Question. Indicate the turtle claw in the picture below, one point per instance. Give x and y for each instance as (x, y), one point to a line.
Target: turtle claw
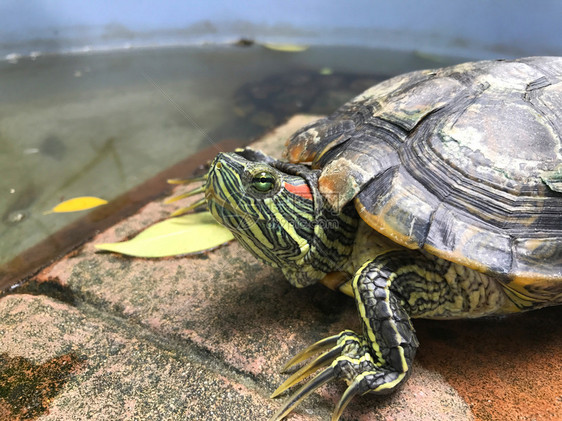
(190, 193)
(350, 359)
(193, 192)
(353, 390)
(322, 361)
(199, 203)
(315, 348)
(341, 344)
(320, 379)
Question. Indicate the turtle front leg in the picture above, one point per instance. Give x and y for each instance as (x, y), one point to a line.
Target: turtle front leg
(379, 360)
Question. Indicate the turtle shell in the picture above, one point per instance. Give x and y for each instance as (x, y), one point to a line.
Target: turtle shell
(464, 162)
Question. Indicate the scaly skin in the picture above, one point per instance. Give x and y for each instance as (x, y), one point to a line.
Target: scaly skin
(276, 212)
(436, 193)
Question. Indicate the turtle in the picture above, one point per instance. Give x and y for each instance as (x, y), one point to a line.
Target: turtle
(433, 194)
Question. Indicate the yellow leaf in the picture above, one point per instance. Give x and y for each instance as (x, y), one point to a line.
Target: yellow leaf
(187, 234)
(430, 57)
(77, 204)
(286, 48)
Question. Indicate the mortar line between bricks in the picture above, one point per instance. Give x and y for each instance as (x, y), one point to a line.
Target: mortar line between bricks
(185, 349)
(194, 353)
(179, 349)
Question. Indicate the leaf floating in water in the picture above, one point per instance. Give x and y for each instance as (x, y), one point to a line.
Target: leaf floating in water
(286, 48)
(77, 204)
(188, 234)
(432, 58)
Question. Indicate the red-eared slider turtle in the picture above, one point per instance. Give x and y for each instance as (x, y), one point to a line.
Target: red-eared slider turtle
(434, 194)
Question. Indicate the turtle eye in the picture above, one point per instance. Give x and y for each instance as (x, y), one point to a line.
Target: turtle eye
(263, 181)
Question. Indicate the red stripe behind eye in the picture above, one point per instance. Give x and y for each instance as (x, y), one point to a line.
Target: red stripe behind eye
(301, 190)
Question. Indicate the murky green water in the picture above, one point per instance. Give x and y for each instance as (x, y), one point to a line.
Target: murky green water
(99, 124)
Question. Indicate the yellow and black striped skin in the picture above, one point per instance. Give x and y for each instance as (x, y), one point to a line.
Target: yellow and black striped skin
(294, 232)
(435, 194)
(291, 226)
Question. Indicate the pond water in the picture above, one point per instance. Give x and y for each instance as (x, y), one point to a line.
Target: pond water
(101, 123)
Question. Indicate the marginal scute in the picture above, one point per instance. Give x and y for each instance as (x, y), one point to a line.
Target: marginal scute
(490, 248)
(398, 207)
(349, 170)
(539, 255)
(309, 142)
(337, 187)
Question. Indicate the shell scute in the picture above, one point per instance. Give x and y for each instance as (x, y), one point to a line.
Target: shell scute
(537, 255)
(399, 206)
(406, 109)
(462, 162)
(353, 166)
(313, 140)
(498, 140)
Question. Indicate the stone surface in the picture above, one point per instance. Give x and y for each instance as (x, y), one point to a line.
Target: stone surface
(204, 337)
(504, 368)
(125, 372)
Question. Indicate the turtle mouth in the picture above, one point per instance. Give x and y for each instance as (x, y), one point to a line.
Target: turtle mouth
(213, 198)
(225, 212)
(214, 179)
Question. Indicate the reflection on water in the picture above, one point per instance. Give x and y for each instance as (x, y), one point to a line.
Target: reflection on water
(98, 124)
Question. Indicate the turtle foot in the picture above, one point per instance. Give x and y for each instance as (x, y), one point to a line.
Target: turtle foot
(346, 356)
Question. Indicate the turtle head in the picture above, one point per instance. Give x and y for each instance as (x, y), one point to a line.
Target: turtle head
(275, 211)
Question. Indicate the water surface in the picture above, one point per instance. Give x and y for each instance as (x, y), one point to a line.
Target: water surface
(101, 123)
